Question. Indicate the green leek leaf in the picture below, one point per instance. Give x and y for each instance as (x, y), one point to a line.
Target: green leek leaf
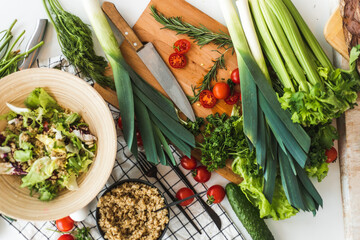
(166, 146)
(146, 131)
(172, 137)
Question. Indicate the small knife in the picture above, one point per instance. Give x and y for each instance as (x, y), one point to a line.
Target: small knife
(207, 208)
(36, 38)
(152, 60)
(179, 201)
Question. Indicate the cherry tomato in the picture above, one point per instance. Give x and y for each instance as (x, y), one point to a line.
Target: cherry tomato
(188, 163)
(331, 155)
(207, 99)
(201, 174)
(182, 46)
(235, 77)
(65, 224)
(184, 193)
(177, 60)
(120, 123)
(139, 139)
(221, 90)
(46, 126)
(215, 194)
(66, 237)
(231, 100)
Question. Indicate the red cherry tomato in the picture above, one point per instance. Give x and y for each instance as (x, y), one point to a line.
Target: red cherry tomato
(120, 123)
(184, 193)
(201, 174)
(215, 194)
(235, 77)
(221, 90)
(231, 100)
(66, 237)
(188, 163)
(65, 224)
(207, 99)
(46, 126)
(139, 139)
(182, 46)
(177, 60)
(331, 155)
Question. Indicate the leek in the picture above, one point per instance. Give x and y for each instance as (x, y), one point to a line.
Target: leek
(264, 120)
(122, 81)
(155, 114)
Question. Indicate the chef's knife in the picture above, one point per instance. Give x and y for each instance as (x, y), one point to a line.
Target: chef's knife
(206, 207)
(152, 60)
(36, 38)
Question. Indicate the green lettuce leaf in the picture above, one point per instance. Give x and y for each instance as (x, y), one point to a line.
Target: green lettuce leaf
(40, 170)
(253, 184)
(23, 155)
(40, 98)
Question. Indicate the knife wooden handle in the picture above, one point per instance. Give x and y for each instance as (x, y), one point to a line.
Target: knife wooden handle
(120, 23)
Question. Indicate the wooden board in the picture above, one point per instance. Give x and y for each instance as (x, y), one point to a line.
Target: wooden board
(349, 142)
(199, 60)
(334, 34)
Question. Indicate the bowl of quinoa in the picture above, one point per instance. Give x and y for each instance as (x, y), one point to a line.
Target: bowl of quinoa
(126, 210)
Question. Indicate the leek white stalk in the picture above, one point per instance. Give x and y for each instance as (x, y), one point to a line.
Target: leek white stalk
(122, 80)
(251, 36)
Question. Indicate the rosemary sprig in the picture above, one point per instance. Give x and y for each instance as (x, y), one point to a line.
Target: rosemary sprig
(201, 35)
(219, 63)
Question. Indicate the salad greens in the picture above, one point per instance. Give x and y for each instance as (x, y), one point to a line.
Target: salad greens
(49, 145)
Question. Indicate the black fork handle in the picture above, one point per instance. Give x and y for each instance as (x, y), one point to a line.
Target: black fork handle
(180, 208)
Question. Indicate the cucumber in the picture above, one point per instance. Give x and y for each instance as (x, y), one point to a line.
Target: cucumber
(247, 213)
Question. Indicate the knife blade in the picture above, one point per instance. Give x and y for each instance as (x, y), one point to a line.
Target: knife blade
(36, 38)
(153, 61)
(213, 215)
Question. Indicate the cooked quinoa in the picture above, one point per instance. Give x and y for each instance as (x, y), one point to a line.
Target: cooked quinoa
(127, 212)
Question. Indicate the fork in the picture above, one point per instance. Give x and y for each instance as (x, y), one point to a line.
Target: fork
(150, 170)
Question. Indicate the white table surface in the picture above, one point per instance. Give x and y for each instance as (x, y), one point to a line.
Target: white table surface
(327, 224)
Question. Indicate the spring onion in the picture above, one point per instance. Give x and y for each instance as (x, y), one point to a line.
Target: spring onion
(10, 58)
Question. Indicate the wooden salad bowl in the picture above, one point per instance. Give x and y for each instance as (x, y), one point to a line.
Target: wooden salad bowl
(75, 94)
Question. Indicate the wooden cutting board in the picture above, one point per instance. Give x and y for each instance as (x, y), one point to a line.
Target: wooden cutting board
(334, 34)
(349, 142)
(199, 59)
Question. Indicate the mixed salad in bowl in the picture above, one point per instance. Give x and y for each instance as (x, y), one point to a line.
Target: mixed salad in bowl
(47, 145)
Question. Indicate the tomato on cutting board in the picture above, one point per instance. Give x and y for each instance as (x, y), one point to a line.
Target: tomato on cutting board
(221, 90)
(66, 237)
(64, 224)
(182, 46)
(215, 194)
(231, 100)
(177, 60)
(207, 99)
(235, 76)
(184, 193)
(331, 155)
(201, 174)
(188, 163)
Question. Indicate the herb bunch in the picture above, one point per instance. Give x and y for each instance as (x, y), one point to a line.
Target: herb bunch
(75, 39)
